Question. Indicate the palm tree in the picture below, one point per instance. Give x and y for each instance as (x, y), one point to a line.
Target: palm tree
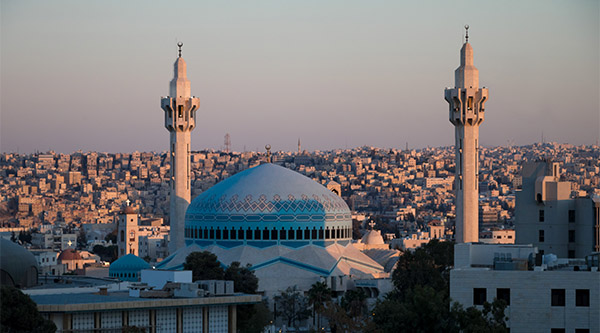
(318, 295)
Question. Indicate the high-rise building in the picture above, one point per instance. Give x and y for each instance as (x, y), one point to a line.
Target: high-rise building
(180, 119)
(466, 101)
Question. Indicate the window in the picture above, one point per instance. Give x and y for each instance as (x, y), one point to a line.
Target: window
(582, 330)
(571, 236)
(557, 330)
(479, 296)
(503, 294)
(571, 215)
(582, 297)
(541, 236)
(541, 215)
(558, 297)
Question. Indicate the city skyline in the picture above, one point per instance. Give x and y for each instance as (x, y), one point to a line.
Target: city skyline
(88, 76)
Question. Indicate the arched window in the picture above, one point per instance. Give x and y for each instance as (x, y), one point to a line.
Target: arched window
(321, 233)
(327, 234)
(122, 235)
(266, 234)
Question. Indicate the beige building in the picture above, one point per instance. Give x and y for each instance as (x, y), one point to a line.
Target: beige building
(467, 106)
(547, 217)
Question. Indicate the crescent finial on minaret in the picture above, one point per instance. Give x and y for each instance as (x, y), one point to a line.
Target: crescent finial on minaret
(466, 33)
(180, 44)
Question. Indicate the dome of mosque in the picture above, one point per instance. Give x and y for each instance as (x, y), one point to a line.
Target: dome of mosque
(267, 203)
(18, 266)
(128, 267)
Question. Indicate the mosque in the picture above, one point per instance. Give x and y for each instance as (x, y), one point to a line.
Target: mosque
(291, 229)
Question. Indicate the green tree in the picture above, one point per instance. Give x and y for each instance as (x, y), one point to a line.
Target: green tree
(250, 317)
(19, 313)
(259, 318)
(292, 305)
(421, 301)
(81, 239)
(355, 304)
(204, 266)
(244, 280)
(318, 295)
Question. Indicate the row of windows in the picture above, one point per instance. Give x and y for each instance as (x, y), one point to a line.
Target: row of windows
(268, 234)
(124, 275)
(557, 296)
(541, 236)
(562, 330)
(542, 218)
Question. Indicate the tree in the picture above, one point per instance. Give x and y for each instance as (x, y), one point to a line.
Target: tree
(355, 304)
(112, 237)
(292, 305)
(318, 295)
(250, 317)
(244, 280)
(260, 317)
(81, 238)
(204, 266)
(421, 301)
(20, 314)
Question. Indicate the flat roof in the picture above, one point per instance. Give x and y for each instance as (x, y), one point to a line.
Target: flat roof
(122, 301)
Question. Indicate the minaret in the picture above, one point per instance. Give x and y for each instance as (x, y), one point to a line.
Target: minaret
(180, 119)
(467, 106)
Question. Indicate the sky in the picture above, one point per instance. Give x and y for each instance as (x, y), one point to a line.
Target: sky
(88, 75)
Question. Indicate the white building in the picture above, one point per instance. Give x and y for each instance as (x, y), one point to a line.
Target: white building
(560, 296)
(159, 303)
(547, 217)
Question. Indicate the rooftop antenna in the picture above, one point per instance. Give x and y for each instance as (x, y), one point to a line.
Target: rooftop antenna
(466, 33)
(268, 148)
(180, 44)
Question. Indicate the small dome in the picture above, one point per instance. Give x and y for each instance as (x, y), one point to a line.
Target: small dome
(69, 254)
(127, 268)
(373, 237)
(129, 262)
(18, 266)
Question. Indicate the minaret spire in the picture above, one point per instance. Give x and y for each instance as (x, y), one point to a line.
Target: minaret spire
(180, 119)
(467, 105)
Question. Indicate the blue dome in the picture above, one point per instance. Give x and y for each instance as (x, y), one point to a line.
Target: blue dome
(267, 203)
(128, 267)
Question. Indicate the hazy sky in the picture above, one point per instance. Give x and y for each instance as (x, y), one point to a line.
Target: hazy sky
(89, 74)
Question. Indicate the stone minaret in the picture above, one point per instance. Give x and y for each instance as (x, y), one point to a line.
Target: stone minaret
(180, 119)
(467, 106)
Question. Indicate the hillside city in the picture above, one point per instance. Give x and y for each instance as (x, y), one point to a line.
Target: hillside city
(401, 191)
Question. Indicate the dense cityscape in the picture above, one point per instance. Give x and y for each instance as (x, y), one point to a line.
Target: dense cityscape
(406, 188)
(455, 237)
